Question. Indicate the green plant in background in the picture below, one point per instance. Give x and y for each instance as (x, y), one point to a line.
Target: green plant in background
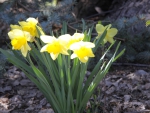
(58, 64)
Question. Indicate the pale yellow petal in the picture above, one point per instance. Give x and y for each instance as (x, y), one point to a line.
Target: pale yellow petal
(73, 56)
(54, 56)
(65, 37)
(15, 33)
(64, 51)
(44, 48)
(23, 23)
(74, 46)
(27, 35)
(25, 49)
(33, 20)
(88, 44)
(83, 60)
(78, 36)
(91, 54)
(100, 28)
(109, 39)
(11, 35)
(112, 32)
(47, 39)
(15, 27)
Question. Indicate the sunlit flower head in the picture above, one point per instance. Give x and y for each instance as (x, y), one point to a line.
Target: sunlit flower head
(54, 46)
(76, 37)
(30, 26)
(82, 50)
(111, 32)
(19, 40)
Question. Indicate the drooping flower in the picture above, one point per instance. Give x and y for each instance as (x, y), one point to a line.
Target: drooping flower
(82, 50)
(30, 26)
(76, 37)
(19, 40)
(111, 32)
(54, 46)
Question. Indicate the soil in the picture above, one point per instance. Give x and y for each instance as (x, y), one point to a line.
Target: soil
(125, 89)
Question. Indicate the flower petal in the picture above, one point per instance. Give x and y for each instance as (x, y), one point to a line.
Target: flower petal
(27, 35)
(15, 27)
(89, 44)
(33, 20)
(44, 48)
(23, 23)
(25, 49)
(84, 60)
(109, 39)
(112, 32)
(54, 56)
(47, 39)
(78, 36)
(15, 33)
(75, 46)
(73, 56)
(100, 28)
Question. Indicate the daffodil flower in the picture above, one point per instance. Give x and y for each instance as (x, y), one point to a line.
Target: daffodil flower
(19, 40)
(111, 32)
(30, 26)
(54, 46)
(82, 50)
(76, 37)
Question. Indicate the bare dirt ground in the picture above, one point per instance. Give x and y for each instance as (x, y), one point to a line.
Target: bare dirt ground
(124, 90)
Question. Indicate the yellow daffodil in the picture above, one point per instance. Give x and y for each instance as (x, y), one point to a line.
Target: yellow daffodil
(30, 26)
(71, 39)
(82, 50)
(19, 40)
(54, 46)
(111, 32)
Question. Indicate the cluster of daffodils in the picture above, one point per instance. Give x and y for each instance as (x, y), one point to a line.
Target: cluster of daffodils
(21, 35)
(63, 43)
(26, 32)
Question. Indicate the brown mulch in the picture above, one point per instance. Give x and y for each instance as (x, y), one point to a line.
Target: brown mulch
(124, 90)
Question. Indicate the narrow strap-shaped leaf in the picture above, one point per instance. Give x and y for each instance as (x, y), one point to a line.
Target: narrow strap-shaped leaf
(16, 61)
(98, 78)
(96, 68)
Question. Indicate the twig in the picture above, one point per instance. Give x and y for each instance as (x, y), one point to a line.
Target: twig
(18, 2)
(131, 64)
(74, 28)
(105, 12)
